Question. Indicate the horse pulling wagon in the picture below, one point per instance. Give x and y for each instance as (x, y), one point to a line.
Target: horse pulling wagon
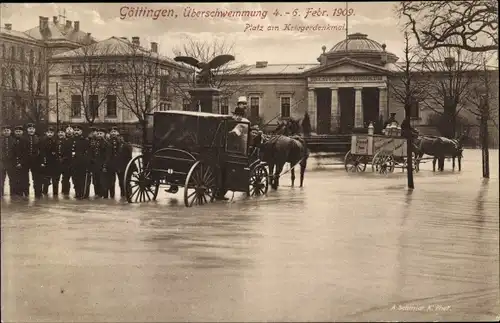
(385, 153)
(206, 154)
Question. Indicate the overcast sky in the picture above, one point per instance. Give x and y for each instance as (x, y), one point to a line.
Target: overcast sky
(103, 20)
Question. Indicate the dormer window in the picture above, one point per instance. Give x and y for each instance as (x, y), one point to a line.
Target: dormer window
(76, 69)
(112, 69)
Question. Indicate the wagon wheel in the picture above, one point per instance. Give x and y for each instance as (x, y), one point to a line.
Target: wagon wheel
(259, 181)
(416, 163)
(383, 162)
(354, 163)
(200, 186)
(139, 183)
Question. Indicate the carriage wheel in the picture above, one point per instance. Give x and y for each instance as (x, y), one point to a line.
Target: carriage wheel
(139, 184)
(383, 163)
(200, 186)
(354, 163)
(416, 163)
(259, 181)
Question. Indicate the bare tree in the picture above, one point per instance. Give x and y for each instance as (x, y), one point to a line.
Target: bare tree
(91, 79)
(408, 90)
(139, 77)
(472, 24)
(483, 104)
(450, 73)
(28, 80)
(225, 76)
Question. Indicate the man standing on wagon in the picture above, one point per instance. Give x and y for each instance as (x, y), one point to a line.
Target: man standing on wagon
(241, 107)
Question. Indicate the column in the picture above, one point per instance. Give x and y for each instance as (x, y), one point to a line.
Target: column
(311, 108)
(335, 111)
(382, 103)
(358, 108)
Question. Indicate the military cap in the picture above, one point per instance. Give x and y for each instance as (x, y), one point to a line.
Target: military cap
(114, 128)
(5, 127)
(50, 129)
(68, 126)
(19, 128)
(102, 130)
(92, 129)
(30, 125)
(77, 127)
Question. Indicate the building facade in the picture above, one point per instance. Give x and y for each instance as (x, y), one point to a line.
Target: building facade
(25, 67)
(351, 85)
(113, 81)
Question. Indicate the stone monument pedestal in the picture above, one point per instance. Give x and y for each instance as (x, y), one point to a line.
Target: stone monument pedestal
(207, 97)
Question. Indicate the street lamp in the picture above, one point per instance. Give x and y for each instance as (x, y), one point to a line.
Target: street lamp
(57, 105)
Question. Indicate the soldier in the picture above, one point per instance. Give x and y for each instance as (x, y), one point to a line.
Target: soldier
(6, 163)
(92, 138)
(99, 159)
(60, 165)
(78, 149)
(116, 165)
(66, 170)
(49, 152)
(21, 171)
(125, 158)
(35, 161)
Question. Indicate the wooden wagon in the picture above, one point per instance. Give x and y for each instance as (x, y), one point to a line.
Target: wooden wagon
(204, 153)
(384, 153)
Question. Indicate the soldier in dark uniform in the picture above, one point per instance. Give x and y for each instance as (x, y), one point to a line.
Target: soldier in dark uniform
(99, 159)
(78, 147)
(92, 138)
(49, 152)
(61, 165)
(35, 161)
(21, 170)
(65, 137)
(115, 165)
(6, 163)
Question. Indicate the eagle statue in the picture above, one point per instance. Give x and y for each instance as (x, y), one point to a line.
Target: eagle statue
(205, 74)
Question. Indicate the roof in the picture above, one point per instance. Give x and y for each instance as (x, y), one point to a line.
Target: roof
(16, 33)
(436, 66)
(206, 115)
(57, 31)
(358, 42)
(113, 46)
(278, 69)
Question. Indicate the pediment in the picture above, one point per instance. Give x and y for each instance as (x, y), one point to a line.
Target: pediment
(347, 67)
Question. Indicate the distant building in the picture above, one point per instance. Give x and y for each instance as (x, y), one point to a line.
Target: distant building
(113, 81)
(25, 70)
(348, 87)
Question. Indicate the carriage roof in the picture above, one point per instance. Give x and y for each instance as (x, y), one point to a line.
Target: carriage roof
(204, 115)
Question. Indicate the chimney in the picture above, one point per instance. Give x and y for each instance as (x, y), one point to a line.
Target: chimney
(8, 26)
(54, 19)
(261, 64)
(154, 47)
(43, 23)
(68, 23)
(77, 26)
(89, 35)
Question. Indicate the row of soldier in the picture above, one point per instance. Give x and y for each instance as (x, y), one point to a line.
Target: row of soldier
(97, 159)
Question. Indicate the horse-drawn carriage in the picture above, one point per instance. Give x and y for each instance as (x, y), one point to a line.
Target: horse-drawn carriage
(385, 153)
(206, 154)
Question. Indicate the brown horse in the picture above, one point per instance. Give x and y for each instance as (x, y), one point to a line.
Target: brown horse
(277, 150)
(440, 148)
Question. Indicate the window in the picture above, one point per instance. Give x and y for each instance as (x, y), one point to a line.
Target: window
(13, 78)
(237, 139)
(76, 69)
(23, 79)
(4, 51)
(76, 106)
(185, 104)
(32, 56)
(111, 106)
(285, 107)
(94, 106)
(163, 87)
(30, 80)
(22, 58)
(4, 75)
(162, 107)
(39, 83)
(148, 103)
(13, 52)
(254, 107)
(224, 106)
(414, 109)
(40, 56)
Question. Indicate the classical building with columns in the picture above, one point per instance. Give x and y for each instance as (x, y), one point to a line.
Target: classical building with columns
(346, 89)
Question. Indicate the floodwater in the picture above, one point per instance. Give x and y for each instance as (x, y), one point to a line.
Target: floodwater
(348, 247)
